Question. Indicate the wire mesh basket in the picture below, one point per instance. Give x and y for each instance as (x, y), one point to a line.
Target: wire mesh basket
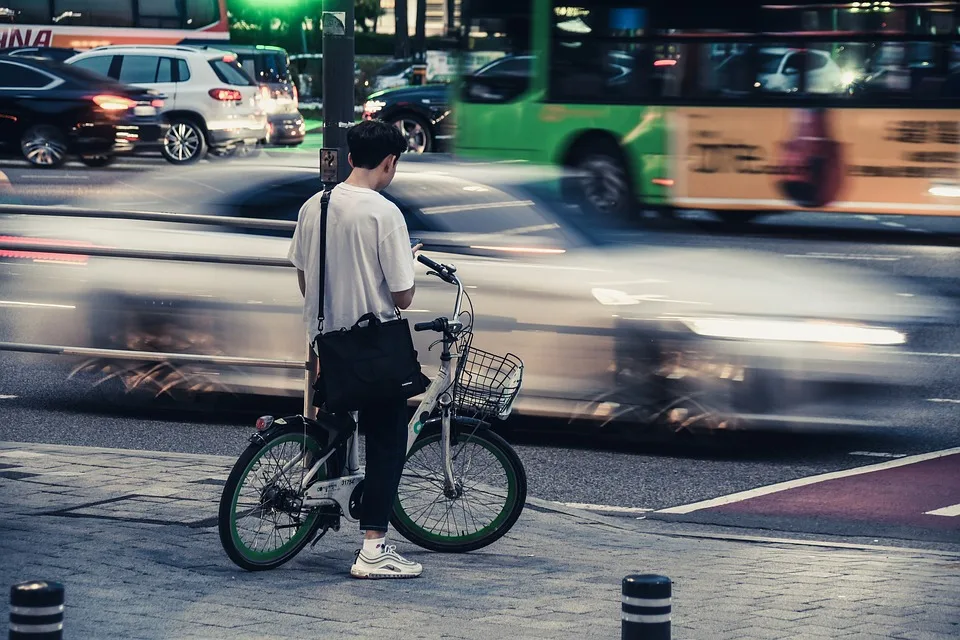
(486, 384)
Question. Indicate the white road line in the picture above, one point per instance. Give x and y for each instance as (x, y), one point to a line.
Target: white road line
(944, 400)
(604, 507)
(6, 397)
(802, 482)
(20, 453)
(878, 454)
(845, 256)
(932, 355)
(45, 305)
(951, 511)
(893, 224)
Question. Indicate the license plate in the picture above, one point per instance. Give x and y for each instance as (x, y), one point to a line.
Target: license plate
(144, 111)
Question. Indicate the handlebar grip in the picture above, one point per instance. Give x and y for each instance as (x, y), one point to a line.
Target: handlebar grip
(422, 259)
(423, 326)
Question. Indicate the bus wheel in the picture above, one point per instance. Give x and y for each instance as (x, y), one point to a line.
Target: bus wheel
(604, 183)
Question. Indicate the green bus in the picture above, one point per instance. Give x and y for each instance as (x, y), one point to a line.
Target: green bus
(741, 108)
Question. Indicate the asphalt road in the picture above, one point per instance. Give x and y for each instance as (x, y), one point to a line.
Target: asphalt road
(596, 469)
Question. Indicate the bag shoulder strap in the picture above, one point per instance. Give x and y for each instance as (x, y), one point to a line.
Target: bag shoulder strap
(324, 207)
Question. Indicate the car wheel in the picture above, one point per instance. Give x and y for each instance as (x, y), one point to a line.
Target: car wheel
(97, 161)
(416, 130)
(44, 146)
(604, 183)
(184, 142)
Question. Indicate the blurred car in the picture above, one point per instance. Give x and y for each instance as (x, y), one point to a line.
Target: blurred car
(396, 73)
(50, 111)
(683, 337)
(270, 67)
(212, 104)
(60, 54)
(422, 113)
(780, 70)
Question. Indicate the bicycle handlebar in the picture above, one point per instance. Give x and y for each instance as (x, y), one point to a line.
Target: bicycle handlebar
(446, 273)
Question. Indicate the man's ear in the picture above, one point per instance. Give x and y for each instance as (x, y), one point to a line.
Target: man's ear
(350, 160)
(388, 163)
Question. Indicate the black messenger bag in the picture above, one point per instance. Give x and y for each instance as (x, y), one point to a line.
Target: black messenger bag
(367, 363)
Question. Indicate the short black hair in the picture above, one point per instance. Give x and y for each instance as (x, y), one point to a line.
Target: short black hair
(371, 141)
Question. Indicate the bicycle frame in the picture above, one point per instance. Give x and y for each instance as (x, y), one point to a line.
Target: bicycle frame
(339, 490)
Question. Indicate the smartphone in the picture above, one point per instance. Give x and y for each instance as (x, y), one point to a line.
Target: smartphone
(415, 241)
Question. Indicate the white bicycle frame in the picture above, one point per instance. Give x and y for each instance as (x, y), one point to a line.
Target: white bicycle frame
(339, 490)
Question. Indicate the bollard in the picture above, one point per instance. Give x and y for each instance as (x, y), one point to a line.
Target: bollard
(36, 611)
(645, 608)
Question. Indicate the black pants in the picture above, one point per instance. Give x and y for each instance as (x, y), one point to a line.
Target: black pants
(385, 426)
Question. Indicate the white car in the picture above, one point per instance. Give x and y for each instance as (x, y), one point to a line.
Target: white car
(211, 103)
(780, 70)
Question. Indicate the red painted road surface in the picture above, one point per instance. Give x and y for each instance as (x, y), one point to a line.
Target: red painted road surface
(901, 495)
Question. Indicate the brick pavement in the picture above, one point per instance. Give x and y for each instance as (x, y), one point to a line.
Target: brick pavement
(132, 535)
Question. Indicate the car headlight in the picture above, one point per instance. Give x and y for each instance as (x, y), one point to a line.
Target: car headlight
(373, 106)
(793, 331)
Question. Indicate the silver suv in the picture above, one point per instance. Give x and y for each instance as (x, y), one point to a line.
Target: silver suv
(211, 102)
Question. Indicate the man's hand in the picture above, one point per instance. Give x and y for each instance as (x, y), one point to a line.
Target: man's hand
(415, 249)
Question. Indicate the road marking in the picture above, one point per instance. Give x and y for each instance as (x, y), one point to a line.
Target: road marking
(944, 400)
(870, 218)
(893, 224)
(878, 454)
(604, 507)
(846, 256)
(45, 305)
(19, 453)
(932, 355)
(802, 482)
(6, 397)
(950, 512)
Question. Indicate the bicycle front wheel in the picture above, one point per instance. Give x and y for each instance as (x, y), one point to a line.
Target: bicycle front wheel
(488, 496)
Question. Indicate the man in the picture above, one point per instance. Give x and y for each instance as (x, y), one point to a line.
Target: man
(369, 270)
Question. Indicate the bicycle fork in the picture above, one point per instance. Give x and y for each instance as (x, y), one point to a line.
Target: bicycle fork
(450, 488)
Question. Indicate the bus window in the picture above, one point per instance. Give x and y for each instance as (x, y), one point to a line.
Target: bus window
(24, 12)
(882, 71)
(101, 13)
(200, 13)
(159, 14)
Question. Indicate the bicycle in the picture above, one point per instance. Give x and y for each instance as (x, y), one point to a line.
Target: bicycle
(463, 486)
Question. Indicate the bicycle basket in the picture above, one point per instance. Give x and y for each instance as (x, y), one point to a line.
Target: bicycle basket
(486, 384)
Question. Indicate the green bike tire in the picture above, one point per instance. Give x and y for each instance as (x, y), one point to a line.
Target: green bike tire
(237, 549)
(406, 518)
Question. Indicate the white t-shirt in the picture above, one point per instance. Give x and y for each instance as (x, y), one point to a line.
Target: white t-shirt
(368, 257)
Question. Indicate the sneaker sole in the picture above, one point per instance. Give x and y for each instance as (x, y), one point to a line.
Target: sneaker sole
(369, 575)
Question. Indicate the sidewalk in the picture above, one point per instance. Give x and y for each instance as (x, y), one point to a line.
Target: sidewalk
(132, 535)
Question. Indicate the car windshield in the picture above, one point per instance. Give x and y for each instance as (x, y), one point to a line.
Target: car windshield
(769, 62)
(266, 66)
(393, 68)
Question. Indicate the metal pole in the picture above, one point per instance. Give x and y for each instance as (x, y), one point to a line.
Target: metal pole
(645, 608)
(338, 88)
(36, 611)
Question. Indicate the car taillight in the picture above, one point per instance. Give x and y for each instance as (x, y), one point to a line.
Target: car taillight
(157, 103)
(114, 103)
(43, 256)
(226, 95)
(296, 96)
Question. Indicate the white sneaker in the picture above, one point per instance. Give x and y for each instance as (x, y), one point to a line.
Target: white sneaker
(385, 562)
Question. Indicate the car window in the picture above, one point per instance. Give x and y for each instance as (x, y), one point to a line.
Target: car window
(165, 70)
(183, 70)
(139, 69)
(15, 76)
(230, 71)
(507, 67)
(816, 61)
(96, 64)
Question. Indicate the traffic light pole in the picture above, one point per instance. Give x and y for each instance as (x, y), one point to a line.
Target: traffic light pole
(338, 88)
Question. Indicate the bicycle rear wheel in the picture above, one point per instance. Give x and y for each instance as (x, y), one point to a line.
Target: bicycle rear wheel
(261, 523)
(490, 491)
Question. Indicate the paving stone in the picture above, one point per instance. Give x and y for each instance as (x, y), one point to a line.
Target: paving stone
(132, 579)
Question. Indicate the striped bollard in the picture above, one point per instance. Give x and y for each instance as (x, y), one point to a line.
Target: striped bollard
(645, 608)
(36, 611)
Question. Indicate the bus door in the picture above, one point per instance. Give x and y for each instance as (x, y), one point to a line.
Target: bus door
(497, 70)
